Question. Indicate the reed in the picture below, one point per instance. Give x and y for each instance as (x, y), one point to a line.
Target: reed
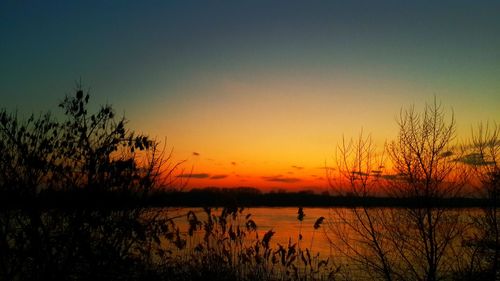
(226, 245)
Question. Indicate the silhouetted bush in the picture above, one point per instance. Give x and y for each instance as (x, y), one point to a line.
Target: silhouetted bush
(63, 180)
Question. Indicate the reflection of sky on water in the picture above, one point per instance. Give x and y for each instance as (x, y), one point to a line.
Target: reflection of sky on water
(286, 225)
(283, 221)
(337, 221)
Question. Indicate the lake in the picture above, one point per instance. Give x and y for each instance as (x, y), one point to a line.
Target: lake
(284, 222)
(363, 243)
(351, 243)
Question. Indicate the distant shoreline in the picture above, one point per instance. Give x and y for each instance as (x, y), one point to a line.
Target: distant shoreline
(247, 197)
(296, 199)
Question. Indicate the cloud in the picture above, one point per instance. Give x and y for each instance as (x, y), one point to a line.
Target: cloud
(233, 163)
(474, 159)
(318, 177)
(196, 153)
(297, 167)
(194, 176)
(218, 177)
(280, 178)
(391, 177)
(326, 168)
(202, 176)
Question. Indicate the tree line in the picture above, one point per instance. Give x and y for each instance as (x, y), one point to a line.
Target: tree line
(253, 197)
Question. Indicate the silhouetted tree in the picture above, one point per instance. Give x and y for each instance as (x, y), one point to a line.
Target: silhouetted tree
(101, 170)
(483, 157)
(408, 243)
(358, 173)
(424, 158)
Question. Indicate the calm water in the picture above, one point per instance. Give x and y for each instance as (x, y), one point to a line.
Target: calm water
(283, 221)
(287, 227)
(342, 234)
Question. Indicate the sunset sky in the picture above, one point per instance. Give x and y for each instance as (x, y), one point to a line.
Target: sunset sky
(255, 93)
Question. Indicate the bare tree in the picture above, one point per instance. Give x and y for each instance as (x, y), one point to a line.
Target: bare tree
(483, 157)
(423, 157)
(356, 232)
(407, 243)
(422, 154)
(359, 167)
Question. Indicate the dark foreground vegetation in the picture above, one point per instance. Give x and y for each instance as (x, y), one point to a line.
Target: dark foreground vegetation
(78, 197)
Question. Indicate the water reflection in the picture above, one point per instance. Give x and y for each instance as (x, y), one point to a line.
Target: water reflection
(352, 249)
(281, 220)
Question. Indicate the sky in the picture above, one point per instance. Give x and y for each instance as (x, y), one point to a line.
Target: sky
(255, 93)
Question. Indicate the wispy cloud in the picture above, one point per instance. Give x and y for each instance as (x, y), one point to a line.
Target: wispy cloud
(202, 176)
(326, 168)
(474, 159)
(194, 176)
(282, 179)
(196, 153)
(233, 163)
(218, 177)
(391, 177)
(297, 167)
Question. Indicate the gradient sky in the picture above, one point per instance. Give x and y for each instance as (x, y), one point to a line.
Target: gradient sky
(255, 93)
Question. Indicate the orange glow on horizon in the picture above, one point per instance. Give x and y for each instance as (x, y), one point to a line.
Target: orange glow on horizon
(265, 178)
(275, 132)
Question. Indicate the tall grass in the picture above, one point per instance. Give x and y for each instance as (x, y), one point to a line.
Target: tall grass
(226, 245)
